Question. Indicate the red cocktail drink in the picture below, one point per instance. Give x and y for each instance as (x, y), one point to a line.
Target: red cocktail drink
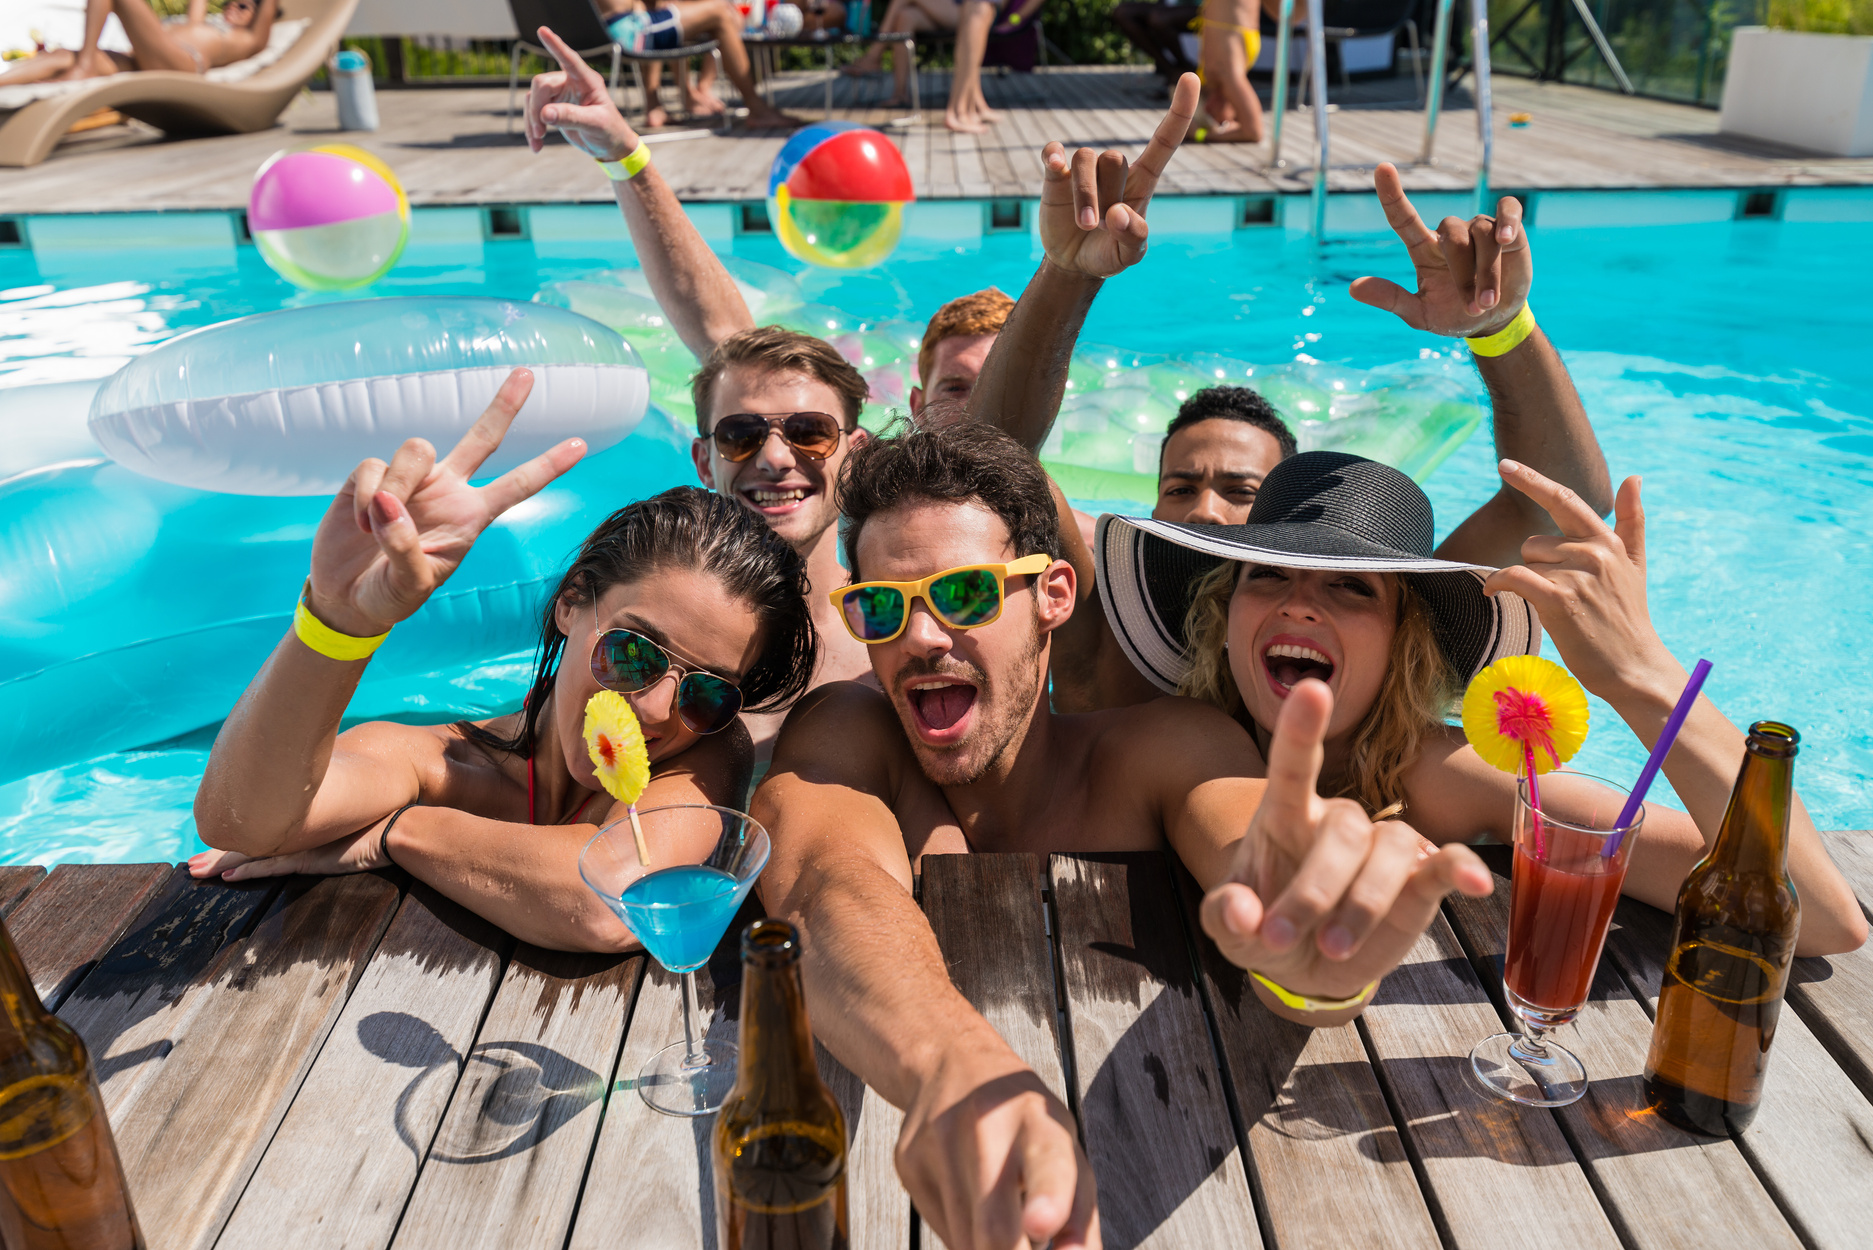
(1558, 916)
(1569, 866)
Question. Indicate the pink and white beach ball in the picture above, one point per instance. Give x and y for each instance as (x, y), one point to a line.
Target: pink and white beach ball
(329, 219)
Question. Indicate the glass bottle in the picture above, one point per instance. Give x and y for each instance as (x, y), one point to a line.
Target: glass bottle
(1731, 944)
(61, 1185)
(780, 1147)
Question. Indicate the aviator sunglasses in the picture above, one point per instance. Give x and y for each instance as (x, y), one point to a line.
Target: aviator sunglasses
(739, 435)
(963, 598)
(628, 662)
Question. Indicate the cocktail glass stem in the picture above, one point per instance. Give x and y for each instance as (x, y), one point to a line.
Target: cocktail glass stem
(694, 1054)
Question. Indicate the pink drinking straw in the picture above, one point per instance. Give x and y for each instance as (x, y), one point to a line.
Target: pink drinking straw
(1534, 802)
(1656, 760)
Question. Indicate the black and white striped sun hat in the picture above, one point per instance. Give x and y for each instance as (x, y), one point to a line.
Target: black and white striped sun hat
(1317, 510)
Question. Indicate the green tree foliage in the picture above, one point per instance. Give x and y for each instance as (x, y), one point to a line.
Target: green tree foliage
(1827, 17)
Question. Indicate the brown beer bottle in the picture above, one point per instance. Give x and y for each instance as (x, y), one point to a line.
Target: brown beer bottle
(1730, 950)
(780, 1137)
(61, 1186)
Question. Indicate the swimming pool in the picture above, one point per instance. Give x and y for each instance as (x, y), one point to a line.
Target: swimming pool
(1723, 359)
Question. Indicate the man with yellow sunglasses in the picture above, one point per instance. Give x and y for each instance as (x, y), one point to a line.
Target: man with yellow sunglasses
(954, 542)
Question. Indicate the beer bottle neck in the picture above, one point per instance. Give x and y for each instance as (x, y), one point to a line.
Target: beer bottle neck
(776, 1066)
(1754, 836)
(23, 1010)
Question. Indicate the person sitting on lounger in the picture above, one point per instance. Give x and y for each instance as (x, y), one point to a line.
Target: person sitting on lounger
(666, 25)
(684, 603)
(192, 44)
(968, 110)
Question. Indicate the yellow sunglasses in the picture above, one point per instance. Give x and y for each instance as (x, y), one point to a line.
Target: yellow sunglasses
(963, 598)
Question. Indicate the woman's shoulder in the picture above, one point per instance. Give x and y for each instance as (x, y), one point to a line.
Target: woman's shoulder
(443, 756)
(1452, 794)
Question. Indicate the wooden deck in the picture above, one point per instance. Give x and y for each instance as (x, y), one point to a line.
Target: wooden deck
(451, 147)
(325, 1062)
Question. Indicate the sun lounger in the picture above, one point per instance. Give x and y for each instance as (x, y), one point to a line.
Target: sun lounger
(233, 99)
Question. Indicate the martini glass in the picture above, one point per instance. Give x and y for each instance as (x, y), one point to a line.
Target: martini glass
(703, 862)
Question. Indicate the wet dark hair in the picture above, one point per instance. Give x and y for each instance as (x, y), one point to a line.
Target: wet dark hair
(1232, 403)
(685, 528)
(963, 463)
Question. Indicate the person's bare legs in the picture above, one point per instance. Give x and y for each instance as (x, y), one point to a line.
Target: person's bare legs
(893, 22)
(40, 68)
(1231, 101)
(968, 110)
(151, 44)
(701, 97)
(721, 21)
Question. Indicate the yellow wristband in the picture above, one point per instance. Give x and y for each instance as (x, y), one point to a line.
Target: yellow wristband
(327, 641)
(1300, 1002)
(1507, 339)
(631, 166)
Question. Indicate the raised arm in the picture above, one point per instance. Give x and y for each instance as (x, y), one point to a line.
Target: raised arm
(392, 535)
(1473, 280)
(987, 1152)
(1589, 587)
(691, 286)
(1092, 226)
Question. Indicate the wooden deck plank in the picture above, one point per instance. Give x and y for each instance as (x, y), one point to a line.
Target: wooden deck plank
(193, 1137)
(72, 918)
(1311, 1106)
(1632, 1159)
(505, 1169)
(137, 1003)
(1497, 1174)
(16, 882)
(1812, 1139)
(1151, 1103)
(345, 1158)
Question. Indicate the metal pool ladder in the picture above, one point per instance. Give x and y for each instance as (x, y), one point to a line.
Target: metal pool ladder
(1434, 101)
(1433, 104)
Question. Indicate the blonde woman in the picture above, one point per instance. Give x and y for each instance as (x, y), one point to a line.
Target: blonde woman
(1332, 581)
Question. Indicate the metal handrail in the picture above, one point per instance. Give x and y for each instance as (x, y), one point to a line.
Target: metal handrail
(1317, 67)
(1281, 83)
(1434, 100)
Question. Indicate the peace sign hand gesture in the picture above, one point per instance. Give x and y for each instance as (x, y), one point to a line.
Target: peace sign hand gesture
(575, 100)
(1092, 210)
(1588, 584)
(395, 532)
(1321, 900)
(1472, 278)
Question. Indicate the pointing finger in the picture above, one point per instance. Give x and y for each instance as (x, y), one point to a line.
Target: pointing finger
(1402, 217)
(575, 65)
(485, 436)
(532, 477)
(1172, 128)
(1289, 805)
(1572, 515)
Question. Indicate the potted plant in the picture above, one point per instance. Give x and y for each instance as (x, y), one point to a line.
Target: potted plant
(1805, 79)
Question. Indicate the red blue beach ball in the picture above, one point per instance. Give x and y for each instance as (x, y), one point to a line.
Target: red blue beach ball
(836, 195)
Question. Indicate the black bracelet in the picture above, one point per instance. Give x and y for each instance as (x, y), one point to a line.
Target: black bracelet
(383, 840)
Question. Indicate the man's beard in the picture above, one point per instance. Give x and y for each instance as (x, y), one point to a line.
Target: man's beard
(1002, 717)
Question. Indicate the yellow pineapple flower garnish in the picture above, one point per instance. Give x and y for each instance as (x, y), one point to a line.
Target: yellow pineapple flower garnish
(1523, 706)
(615, 741)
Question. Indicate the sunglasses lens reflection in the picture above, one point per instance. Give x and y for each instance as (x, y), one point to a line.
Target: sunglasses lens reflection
(627, 662)
(875, 612)
(706, 703)
(970, 597)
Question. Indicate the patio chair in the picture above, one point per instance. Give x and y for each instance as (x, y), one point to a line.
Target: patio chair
(224, 101)
(578, 23)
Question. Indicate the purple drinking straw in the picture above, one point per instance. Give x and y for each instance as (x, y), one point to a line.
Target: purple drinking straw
(1656, 760)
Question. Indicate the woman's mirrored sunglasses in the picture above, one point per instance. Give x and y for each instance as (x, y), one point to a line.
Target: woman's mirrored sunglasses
(963, 598)
(629, 662)
(814, 435)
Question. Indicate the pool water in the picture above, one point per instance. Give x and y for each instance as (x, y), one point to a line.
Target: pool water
(1724, 361)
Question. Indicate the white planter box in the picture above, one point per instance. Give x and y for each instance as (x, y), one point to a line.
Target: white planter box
(1808, 91)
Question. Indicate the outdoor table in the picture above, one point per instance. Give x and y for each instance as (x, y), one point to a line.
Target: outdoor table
(764, 43)
(355, 1061)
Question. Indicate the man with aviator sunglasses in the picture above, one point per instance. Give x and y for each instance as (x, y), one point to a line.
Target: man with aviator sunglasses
(954, 545)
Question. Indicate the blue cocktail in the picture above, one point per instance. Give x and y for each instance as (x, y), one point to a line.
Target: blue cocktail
(703, 861)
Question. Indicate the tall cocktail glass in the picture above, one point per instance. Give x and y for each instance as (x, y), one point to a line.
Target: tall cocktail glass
(703, 862)
(1567, 878)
